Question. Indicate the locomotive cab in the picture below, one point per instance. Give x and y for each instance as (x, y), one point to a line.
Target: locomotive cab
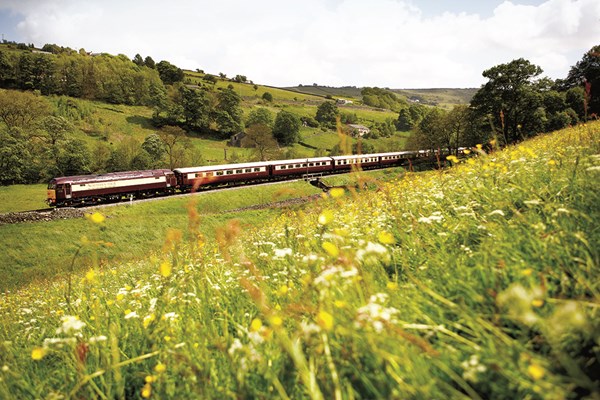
(58, 192)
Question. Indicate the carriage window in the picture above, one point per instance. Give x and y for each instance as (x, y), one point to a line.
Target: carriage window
(248, 170)
(219, 173)
(311, 164)
(238, 171)
(52, 185)
(229, 172)
(256, 169)
(208, 174)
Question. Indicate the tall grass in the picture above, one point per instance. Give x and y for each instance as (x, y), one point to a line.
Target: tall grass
(476, 282)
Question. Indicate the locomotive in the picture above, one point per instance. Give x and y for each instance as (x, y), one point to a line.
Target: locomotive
(116, 186)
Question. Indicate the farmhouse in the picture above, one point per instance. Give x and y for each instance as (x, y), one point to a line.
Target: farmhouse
(236, 140)
(359, 130)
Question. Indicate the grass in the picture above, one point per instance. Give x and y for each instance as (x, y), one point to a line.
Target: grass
(42, 250)
(470, 283)
(22, 198)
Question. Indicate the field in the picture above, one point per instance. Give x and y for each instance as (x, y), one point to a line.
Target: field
(474, 282)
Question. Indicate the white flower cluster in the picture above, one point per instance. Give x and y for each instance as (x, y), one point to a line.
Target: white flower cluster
(375, 314)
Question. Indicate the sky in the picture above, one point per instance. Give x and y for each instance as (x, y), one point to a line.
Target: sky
(383, 43)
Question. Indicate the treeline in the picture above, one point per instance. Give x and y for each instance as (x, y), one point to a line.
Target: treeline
(515, 103)
(63, 71)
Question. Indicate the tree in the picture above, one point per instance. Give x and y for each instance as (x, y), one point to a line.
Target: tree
(149, 62)
(509, 98)
(228, 111)
(195, 107)
(73, 158)
(21, 109)
(267, 97)
(138, 60)
(169, 73)
(327, 113)
(173, 138)
(14, 157)
(155, 147)
(405, 121)
(260, 115)
(362, 147)
(286, 129)
(55, 128)
(260, 138)
(575, 99)
(586, 74)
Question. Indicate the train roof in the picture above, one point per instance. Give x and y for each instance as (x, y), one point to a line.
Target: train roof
(111, 176)
(205, 168)
(301, 160)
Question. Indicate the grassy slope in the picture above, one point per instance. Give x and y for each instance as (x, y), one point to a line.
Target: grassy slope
(477, 282)
(49, 246)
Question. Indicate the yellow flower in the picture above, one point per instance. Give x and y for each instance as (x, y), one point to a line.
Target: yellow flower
(331, 249)
(96, 217)
(386, 238)
(392, 285)
(326, 217)
(479, 146)
(551, 162)
(339, 304)
(283, 290)
(527, 272)
(160, 368)
(276, 321)
(537, 302)
(336, 192)
(467, 151)
(325, 320)
(255, 325)
(38, 353)
(165, 269)
(147, 391)
(148, 319)
(150, 378)
(535, 371)
(90, 276)
(452, 158)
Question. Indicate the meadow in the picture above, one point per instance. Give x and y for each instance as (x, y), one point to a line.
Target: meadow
(473, 282)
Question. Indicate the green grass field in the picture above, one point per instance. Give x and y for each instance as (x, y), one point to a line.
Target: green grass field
(474, 282)
(22, 198)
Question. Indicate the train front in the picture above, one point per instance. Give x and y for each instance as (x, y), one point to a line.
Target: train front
(51, 193)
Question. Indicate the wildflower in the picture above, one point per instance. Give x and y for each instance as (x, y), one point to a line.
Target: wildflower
(281, 253)
(165, 269)
(537, 302)
(467, 151)
(325, 320)
(160, 368)
(453, 159)
(479, 146)
(336, 192)
(331, 249)
(5, 368)
(255, 325)
(147, 391)
(131, 314)
(386, 238)
(235, 346)
(283, 290)
(276, 321)
(90, 276)
(96, 339)
(535, 371)
(70, 324)
(326, 217)
(339, 304)
(148, 319)
(38, 353)
(96, 217)
(392, 285)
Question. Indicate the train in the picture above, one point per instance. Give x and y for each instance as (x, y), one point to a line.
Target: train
(69, 191)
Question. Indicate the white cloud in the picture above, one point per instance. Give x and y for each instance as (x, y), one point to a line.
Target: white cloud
(386, 43)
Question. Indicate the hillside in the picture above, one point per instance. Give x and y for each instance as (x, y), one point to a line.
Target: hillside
(479, 281)
(445, 98)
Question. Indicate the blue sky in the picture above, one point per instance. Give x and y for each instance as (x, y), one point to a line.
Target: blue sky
(384, 43)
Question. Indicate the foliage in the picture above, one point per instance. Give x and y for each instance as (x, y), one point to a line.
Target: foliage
(21, 109)
(286, 128)
(383, 98)
(267, 96)
(228, 112)
(259, 115)
(475, 282)
(586, 74)
(260, 138)
(169, 73)
(327, 114)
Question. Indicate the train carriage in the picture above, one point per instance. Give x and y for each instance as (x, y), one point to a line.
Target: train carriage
(214, 175)
(362, 161)
(72, 190)
(301, 166)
